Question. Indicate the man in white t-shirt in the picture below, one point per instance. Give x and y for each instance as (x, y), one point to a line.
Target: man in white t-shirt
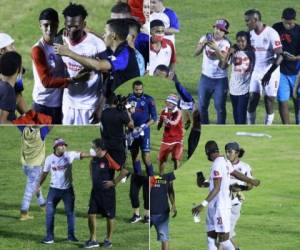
(80, 100)
(59, 164)
(218, 199)
(266, 74)
(213, 81)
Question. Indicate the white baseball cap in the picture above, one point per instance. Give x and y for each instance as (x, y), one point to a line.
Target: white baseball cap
(5, 40)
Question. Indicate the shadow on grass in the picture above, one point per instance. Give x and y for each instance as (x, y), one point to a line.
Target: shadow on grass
(12, 206)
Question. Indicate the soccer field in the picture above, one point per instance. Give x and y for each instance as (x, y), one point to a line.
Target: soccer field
(15, 234)
(270, 213)
(197, 18)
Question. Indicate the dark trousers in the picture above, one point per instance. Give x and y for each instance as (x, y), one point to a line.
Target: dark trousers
(55, 195)
(193, 141)
(239, 108)
(217, 88)
(136, 182)
(55, 113)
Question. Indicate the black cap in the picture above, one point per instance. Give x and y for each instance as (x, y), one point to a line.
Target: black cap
(156, 23)
(232, 146)
(99, 143)
(211, 147)
(289, 14)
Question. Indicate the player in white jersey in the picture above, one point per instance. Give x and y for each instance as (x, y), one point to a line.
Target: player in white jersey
(59, 164)
(265, 78)
(80, 100)
(218, 199)
(234, 153)
(49, 70)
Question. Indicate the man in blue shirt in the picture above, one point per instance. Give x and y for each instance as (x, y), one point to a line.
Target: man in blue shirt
(143, 117)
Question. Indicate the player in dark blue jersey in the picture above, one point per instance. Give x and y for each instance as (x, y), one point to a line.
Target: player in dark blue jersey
(143, 117)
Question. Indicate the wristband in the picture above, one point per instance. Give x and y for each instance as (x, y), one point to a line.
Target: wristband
(204, 203)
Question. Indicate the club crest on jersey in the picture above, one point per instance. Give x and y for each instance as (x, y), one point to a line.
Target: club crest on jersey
(216, 173)
(142, 103)
(265, 41)
(102, 165)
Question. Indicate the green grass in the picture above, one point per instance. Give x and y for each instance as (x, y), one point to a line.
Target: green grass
(197, 18)
(15, 234)
(270, 213)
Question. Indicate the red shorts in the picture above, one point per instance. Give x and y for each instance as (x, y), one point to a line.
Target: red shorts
(165, 149)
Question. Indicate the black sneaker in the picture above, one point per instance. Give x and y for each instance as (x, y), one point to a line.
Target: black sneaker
(48, 240)
(106, 244)
(135, 218)
(146, 219)
(72, 239)
(91, 244)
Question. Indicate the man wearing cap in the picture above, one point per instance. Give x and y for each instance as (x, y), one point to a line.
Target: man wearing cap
(59, 163)
(289, 32)
(162, 50)
(234, 153)
(218, 199)
(10, 67)
(268, 56)
(6, 45)
(172, 141)
(213, 81)
(103, 194)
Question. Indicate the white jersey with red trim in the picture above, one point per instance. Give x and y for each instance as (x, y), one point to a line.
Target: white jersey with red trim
(83, 95)
(51, 97)
(61, 169)
(221, 169)
(264, 44)
(210, 63)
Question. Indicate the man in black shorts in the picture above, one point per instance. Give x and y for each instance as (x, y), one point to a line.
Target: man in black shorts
(103, 196)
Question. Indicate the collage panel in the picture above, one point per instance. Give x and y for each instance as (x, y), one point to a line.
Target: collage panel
(76, 191)
(262, 217)
(73, 57)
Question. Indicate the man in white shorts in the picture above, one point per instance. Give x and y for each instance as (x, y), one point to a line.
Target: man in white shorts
(266, 74)
(218, 199)
(80, 100)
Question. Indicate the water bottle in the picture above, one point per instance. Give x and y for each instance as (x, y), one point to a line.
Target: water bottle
(196, 216)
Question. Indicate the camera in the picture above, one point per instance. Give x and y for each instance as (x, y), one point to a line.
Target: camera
(209, 37)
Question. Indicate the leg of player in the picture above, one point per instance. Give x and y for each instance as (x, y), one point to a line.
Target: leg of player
(135, 187)
(269, 105)
(212, 240)
(109, 228)
(284, 112)
(69, 200)
(146, 199)
(253, 102)
(296, 103)
(92, 226)
(225, 242)
(147, 161)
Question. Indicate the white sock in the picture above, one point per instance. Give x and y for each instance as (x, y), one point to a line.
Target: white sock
(251, 117)
(211, 243)
(269, 119)
(227, 245)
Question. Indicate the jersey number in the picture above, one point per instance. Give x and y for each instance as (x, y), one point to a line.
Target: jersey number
(219, 220)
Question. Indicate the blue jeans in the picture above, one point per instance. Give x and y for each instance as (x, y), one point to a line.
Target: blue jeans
(161, 224)
(33, 178)
(218, 88)
(239, 108)
(55, 195)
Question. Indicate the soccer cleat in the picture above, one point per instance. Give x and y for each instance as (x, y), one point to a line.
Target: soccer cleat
(146, 219)
(48, 240)
(91, 244)
(25, 216)
(106, 244)
(135, 218)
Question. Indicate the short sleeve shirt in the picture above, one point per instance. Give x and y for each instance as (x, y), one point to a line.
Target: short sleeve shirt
(61, 169)
(8, 100)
